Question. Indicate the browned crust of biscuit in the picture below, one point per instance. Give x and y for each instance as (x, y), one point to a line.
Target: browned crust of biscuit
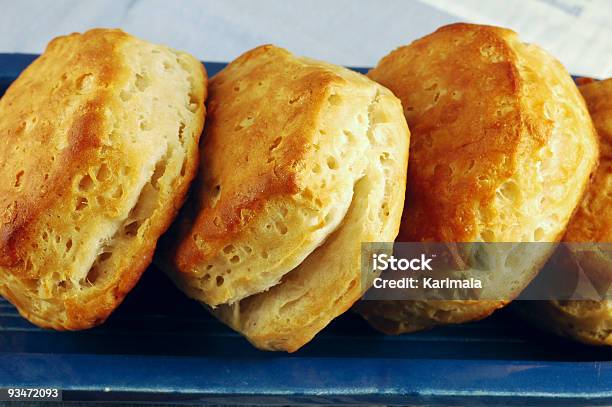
(457, 64)
(247, 166)
(592, 221)
(52, 175)
(475, 102)
(589, 322)
(46, 88)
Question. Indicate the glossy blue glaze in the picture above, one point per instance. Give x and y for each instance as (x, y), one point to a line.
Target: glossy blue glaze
(160, 346)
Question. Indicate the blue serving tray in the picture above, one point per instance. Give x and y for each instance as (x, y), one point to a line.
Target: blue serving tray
(160, 346)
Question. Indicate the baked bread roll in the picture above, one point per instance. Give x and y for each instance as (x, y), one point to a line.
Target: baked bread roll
(501, 150)
(587, 321)
(302, 162)
(100, 138)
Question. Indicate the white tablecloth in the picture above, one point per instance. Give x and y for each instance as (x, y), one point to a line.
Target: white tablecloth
(349, 32)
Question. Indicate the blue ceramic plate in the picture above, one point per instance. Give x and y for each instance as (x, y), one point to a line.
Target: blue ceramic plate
(160, 346)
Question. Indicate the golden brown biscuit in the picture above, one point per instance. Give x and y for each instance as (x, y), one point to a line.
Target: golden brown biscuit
(303, 161)
(502, 147)
(588, 321)
(100, 137)
(593, 219)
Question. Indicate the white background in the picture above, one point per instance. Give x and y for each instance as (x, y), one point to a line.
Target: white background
(349, 32)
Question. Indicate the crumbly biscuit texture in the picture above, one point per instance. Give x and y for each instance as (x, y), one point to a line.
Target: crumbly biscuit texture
(101, 135)
(304, 161)
(502, 148)
(588, 321)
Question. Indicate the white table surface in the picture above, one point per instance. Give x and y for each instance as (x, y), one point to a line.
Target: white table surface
(348, 32)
